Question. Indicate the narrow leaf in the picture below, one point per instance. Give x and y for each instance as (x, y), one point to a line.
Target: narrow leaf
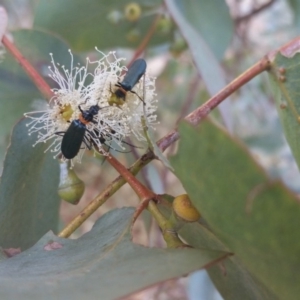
(29, 201)
(204, 59)
(285, 83)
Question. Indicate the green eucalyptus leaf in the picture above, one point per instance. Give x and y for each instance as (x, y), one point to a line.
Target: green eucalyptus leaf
(212, 20)
(203, 56)
(284, 75)
(29, 201)
(99, 23)
(230, 277)
(256, 219)
(102, 264)
(295, 9)
(71, 187)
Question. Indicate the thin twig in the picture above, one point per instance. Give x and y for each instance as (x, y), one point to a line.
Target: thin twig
(144, 171)
(254, 12)
(143, 192)
(201, 112)
(197, 115)
(145, 195)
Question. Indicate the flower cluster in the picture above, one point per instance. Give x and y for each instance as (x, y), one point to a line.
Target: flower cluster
(79, 89)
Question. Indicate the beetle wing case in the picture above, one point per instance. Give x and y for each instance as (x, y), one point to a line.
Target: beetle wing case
(73, 139)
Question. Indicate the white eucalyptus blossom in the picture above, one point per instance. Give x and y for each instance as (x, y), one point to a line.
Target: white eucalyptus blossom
(112, 124)
(108, 73)
(63, 107)
(72, 93)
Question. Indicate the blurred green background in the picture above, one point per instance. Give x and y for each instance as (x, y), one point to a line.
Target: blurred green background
(198, 46)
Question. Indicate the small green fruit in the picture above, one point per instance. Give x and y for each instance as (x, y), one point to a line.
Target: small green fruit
(70, 187)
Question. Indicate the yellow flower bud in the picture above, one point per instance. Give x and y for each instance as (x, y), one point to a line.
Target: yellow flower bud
(184, 208)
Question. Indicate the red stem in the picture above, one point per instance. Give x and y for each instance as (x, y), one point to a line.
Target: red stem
(29, 69)
(140, 189)
(202, 111)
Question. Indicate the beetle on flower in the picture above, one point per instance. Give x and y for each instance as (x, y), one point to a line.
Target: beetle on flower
(74, 97)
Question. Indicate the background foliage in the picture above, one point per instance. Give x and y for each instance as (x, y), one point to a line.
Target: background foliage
(244, 184)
